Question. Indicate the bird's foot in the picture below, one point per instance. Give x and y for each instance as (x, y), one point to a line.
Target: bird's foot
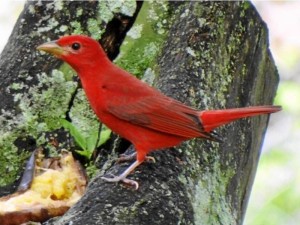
(123, 179)
(123, 176)
(125, 158)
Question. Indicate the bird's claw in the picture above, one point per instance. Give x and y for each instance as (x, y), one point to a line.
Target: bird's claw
(133, 183)
(124, 180)
(150, 159)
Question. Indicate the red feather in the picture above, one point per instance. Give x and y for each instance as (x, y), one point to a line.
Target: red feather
(212, 119)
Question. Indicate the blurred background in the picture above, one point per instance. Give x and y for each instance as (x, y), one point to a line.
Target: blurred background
(275, 198)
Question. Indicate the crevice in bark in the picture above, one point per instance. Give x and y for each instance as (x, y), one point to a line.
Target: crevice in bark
(116, 30)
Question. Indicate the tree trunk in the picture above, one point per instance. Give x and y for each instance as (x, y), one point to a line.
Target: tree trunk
(206, 54)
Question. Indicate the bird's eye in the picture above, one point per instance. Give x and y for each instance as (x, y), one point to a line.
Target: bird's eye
(75, 46)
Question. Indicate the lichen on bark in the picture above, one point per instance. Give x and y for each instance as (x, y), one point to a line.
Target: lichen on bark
(36, 97)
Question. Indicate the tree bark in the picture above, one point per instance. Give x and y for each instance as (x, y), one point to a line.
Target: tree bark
(207, 54)
(37, 90)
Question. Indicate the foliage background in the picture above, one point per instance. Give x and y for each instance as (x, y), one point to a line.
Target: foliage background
(275, 197)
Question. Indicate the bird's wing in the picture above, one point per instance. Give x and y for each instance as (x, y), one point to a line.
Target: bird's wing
(158, 112)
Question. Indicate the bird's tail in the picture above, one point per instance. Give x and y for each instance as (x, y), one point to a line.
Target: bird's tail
(212, 119)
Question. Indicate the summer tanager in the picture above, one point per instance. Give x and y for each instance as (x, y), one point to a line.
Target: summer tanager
(137, 112)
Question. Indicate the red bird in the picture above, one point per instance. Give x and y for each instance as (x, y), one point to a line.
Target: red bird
(134, 110)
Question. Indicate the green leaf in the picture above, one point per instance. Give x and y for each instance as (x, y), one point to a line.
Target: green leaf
(84, 153)
(87, 144)
(91, 142)
(79, 138)
(104, 136)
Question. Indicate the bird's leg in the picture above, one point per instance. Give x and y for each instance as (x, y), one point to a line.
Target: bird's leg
(123, 176)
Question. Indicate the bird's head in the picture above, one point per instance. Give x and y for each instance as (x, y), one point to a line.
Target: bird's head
(77, 50)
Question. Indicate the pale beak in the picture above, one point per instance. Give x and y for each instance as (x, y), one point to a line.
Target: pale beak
(52, 47)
